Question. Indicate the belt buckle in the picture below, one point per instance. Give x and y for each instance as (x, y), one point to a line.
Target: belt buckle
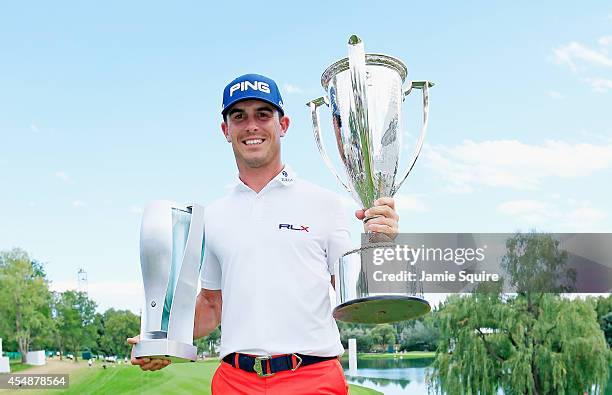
(257, 366)
(299, 362)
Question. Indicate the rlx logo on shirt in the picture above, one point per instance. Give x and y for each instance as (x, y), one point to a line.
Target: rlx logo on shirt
(302, 228)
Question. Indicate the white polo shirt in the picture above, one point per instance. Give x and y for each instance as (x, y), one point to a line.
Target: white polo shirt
(271, 254)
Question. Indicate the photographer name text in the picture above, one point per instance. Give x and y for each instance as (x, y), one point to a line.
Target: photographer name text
(462, 276)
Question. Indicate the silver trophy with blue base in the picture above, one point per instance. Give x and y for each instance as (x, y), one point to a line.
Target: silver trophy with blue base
(171, 250)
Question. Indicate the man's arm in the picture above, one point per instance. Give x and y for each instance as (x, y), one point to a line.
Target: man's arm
(207, 312)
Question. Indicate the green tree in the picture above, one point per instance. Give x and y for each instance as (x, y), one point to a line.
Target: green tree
(203, 344)
(536, 264)
(25, 300)
(531, 343)
(603, 307)
(361, 333)
(606, 326)
(75, 321)
(489, 343)
(421, 335)
(118, 325)
(383, 335)
(98, 323)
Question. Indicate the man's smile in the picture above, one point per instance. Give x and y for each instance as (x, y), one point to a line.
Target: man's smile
(253, 141)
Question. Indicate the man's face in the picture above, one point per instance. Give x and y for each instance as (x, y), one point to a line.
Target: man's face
(254, 129)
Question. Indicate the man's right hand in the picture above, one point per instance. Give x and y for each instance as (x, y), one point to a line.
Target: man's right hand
(146, 363)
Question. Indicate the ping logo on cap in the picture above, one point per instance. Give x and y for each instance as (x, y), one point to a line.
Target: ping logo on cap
(251, 86)
(246, 85)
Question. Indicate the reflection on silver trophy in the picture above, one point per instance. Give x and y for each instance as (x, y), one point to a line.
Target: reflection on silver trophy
(364, 94)
(171, 246)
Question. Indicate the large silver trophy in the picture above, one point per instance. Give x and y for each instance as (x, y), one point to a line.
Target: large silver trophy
(365, 93)
(171, 247)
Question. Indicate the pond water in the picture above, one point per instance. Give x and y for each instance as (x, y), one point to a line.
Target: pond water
(395, 376)
(391, 376)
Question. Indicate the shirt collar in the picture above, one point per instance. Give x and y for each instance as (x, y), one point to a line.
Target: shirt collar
(284, 178)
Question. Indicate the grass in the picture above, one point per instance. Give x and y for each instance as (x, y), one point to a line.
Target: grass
(126, 379)
(130, 380)
(17, 366)
(358, 390)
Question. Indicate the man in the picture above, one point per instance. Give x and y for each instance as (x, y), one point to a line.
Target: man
(271, 246)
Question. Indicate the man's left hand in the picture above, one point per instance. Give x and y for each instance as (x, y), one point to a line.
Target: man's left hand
(386, 219)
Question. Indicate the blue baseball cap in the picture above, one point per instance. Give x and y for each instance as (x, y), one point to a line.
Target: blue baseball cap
(252, 86)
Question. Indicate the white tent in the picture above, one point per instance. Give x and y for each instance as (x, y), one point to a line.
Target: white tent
(4, 362)
(36, 358)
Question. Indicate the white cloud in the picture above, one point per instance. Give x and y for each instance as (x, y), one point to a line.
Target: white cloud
(34, 128)
(62, 175)
(289, 88)
(136, 210)
(78, 204)
(573, 52)
(599, 84)
(605, 138)
(513, 164)
(585, 214)
(568, 215)
(555, 95)
(605, 40)
(518, 207)
(579, 57)
(410, 203)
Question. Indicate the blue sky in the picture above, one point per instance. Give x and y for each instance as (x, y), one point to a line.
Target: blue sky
(106, 106)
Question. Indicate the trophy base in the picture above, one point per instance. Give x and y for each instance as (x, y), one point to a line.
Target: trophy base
(164, 348)
(381, 309)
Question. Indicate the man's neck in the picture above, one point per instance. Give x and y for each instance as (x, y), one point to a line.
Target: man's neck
(258, 178)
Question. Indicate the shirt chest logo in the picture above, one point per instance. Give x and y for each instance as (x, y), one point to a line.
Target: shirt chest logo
(285, 178)
(299, 228)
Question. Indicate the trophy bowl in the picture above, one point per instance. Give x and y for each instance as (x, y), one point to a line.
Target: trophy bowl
(365, 93)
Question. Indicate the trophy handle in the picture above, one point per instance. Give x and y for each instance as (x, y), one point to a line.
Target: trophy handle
(424, 86)
(316, 127)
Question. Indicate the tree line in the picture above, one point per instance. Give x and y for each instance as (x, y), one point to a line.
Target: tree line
(535, 341)
(34, 318)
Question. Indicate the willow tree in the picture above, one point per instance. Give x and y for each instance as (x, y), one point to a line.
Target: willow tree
(530, 343)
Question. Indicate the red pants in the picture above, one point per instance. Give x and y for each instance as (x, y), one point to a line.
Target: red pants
(325, 377)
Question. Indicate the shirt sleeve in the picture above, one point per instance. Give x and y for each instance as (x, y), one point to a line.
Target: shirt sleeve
(210, 276)
(339, 239)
